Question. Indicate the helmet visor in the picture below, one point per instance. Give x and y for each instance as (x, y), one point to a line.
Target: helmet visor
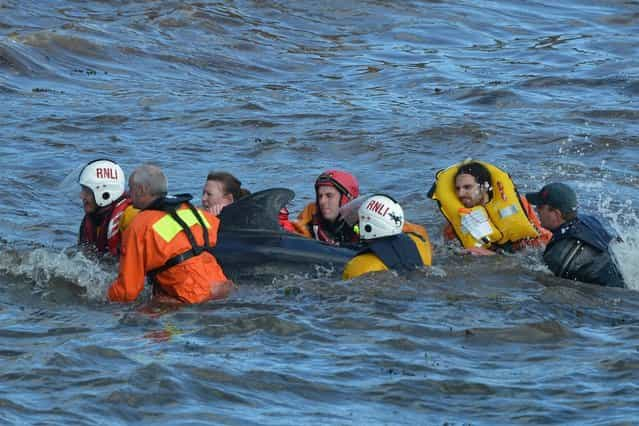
(68, 187)
(349, 211)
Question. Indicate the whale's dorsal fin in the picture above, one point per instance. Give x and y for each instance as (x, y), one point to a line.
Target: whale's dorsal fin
(259, 210)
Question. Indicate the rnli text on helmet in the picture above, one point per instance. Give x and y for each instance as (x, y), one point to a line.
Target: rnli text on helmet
(377, 207)
(106, 173)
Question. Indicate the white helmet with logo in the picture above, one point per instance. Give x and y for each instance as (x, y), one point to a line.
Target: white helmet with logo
(380, 216)
(106, 180)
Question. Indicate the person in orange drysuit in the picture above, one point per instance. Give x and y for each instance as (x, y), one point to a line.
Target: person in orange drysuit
(169, 241)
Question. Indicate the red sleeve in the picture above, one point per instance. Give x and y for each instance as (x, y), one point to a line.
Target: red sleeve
(544, 234)
(284, 222)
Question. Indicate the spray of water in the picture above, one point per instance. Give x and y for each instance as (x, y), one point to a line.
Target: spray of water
(44, 266)
(611, 202)
(625, 222)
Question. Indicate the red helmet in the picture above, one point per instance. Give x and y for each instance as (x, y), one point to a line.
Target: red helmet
(344, 182)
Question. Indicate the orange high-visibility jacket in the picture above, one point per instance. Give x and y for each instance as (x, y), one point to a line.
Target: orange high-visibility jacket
(155, 237)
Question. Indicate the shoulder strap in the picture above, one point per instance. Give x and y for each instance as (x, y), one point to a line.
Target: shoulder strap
(169, 202)
(195, 250)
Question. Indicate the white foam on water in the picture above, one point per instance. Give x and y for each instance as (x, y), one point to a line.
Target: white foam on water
(625, 223)
(319, 272)
(434, 271)
(44, 265)
(531, 260)
(618, 212)
(626, 254)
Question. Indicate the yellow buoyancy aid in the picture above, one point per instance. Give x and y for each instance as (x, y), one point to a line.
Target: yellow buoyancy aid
(369, 262)
(503, 212)
(127, 217)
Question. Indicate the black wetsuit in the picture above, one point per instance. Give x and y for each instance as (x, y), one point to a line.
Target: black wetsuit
(580, 250)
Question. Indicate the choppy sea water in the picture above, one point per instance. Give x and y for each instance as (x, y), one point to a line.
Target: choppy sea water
(276, 92)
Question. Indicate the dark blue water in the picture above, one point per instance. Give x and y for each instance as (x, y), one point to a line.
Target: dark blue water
(276, 92)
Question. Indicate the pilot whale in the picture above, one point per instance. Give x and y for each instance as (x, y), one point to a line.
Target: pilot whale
(252, 246)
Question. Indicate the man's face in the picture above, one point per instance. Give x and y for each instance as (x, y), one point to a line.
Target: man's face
(88, 200)
(468, 191)
(328, 202)
(549, 217)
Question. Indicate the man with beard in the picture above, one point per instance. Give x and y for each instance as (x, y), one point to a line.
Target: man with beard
(484, 211)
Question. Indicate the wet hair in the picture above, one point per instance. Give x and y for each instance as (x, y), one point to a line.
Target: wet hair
(230, 184)
(151, 177)
(478, 171)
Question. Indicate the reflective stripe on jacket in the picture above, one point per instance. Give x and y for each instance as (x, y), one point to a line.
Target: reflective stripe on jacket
(155, 237)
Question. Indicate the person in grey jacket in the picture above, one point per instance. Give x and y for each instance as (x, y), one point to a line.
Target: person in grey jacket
(580, 246)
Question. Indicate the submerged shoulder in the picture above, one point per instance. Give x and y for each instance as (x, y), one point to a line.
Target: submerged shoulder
(363, 264)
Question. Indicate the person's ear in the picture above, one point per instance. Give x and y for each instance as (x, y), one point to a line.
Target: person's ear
(228, 198)
(558, 216)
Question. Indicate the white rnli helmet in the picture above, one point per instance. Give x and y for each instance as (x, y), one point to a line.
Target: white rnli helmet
(380, 216)
(106, 180)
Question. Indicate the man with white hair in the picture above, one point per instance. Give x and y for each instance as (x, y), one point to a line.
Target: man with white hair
(170, 242)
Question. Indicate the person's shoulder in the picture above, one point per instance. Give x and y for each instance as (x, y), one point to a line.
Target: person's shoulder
(528, 209)
(144, 218)
(588, 219)
(414, 228)
(210, 217)
(205, 213)
(362, 264)
(423, 247)
(128, 215)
